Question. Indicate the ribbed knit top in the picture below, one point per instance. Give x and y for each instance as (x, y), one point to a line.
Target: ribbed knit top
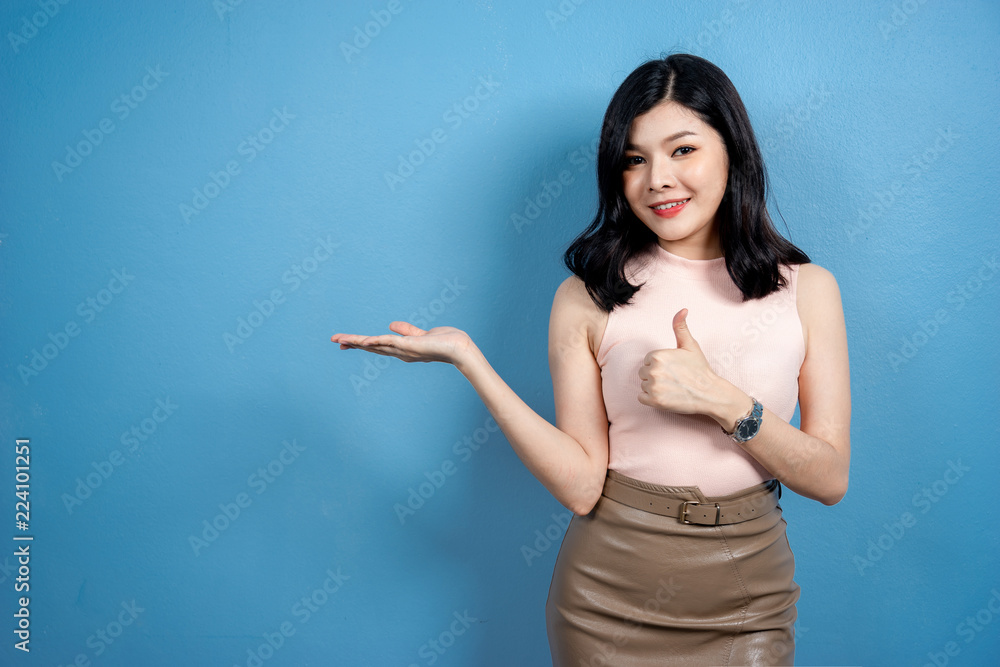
(757, 345)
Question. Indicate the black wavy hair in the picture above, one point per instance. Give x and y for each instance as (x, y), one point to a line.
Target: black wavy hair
(752, 247)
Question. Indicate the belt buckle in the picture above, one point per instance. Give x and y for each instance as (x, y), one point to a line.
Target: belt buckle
(684, 511)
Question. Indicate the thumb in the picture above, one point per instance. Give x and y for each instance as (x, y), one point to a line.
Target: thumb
(683, 334)
(405, 328)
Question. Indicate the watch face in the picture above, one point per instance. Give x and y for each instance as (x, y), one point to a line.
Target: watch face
(748, 429)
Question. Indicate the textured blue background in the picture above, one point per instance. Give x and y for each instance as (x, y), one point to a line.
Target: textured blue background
(878, 124)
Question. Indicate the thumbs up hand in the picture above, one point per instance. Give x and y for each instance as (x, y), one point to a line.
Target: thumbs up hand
(680, 380)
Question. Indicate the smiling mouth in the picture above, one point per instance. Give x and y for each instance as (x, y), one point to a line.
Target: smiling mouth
(664, 207)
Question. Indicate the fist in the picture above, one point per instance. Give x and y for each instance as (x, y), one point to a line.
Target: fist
(679, 380)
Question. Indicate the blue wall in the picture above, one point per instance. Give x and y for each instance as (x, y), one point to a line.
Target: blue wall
(194, 197)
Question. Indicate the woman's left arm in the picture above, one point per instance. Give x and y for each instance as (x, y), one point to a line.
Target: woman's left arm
(812, 460)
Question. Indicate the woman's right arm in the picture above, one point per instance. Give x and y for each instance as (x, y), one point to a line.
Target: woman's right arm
(571, 458)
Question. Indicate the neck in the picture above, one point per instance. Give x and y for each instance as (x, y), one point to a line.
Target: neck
(692, 252)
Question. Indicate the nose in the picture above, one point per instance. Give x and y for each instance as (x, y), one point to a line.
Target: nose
(661, 174)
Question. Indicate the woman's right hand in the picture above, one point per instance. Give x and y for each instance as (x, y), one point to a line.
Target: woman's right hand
(446, 344)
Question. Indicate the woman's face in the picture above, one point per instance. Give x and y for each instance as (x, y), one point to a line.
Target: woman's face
(674, 156)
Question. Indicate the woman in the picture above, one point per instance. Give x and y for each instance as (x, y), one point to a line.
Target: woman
(678, 350)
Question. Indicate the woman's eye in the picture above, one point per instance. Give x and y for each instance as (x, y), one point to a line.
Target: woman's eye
(687, 150)
(632, 160)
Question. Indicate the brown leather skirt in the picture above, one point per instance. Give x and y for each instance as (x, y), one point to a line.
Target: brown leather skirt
(632, 587)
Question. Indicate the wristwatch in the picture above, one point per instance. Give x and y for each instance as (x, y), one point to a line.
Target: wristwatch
(748, 426)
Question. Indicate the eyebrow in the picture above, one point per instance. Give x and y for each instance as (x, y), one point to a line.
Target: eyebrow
(677, 135)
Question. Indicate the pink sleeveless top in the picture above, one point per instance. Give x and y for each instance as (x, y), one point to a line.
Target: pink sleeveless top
(757, 345)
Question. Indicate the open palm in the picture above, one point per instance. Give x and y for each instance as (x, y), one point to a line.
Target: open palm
(415, 344)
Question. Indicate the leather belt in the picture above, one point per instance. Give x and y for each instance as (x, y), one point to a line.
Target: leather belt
(693, 511)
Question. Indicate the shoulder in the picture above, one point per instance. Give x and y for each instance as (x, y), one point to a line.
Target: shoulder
(574, 311)
(572, 296)
(573, 291)
(818, 299)
(815, 282)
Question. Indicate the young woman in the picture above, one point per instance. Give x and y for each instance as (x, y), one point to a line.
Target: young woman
(678, 350)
